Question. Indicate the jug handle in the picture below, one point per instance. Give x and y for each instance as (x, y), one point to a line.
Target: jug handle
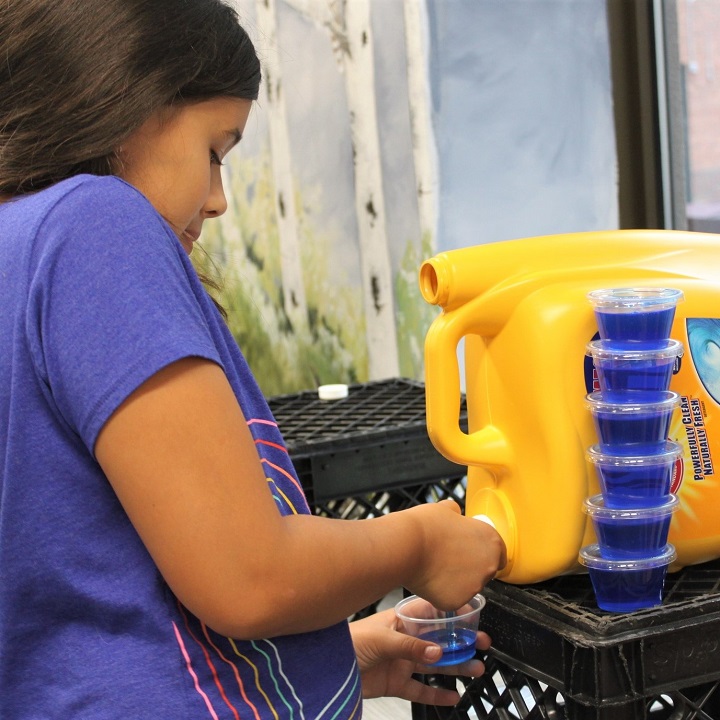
(486, 446)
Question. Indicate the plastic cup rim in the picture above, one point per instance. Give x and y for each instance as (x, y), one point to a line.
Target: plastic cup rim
(605, 350)
(596, 508)
(634, 403)
(429, 621)
(632, 299)
(591, 558)
(669, 454)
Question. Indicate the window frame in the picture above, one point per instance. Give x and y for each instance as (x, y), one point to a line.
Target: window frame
(649, 109)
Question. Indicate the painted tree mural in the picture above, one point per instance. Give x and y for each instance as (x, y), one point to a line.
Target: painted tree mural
(337, 192)
(297, 320)
(349, 25)
(293, 284)
(423, 140)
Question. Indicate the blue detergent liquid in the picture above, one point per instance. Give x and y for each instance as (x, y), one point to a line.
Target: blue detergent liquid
(458, 645)
(626, 591)
(633, 433)
(635, 486)
(642, 326)
(645, 376)
(622, 538)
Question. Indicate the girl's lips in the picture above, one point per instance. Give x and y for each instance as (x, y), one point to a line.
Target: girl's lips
(192, 235)
(188, 238)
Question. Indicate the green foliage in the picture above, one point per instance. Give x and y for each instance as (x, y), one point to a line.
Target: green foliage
(242, 251)
(414, 315)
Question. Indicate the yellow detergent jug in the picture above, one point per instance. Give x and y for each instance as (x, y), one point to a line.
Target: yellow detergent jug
(521, 307)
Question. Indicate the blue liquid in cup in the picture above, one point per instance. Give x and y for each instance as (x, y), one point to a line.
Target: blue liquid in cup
(635, 486)
(630, 532)
(638, 433)
(620, 539)
(634, 370)
(646, 326)
(627, 585)
(635, 481)
(643, 376)
(635, 315)
(628, 590)
(455, 632)
(631, 427)
(458, 645)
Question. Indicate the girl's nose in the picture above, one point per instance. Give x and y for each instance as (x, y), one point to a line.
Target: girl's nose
(216, 203)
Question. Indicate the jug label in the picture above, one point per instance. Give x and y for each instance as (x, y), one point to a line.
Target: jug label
(698, 384)
(592, 383)
(693, 421)
(696, 426)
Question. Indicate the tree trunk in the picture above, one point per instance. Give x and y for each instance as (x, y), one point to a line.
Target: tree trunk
(369, 196)
(287, 218)
(348, 22)
(423, 139)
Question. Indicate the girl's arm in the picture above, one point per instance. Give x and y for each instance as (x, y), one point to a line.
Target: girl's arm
(182, 461)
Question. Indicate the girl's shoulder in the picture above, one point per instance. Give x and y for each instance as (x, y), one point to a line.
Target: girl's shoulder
(89, 192)
(84, 216)
(79, 200)
(89, 205)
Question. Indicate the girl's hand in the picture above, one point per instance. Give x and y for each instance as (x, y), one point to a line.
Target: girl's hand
(456, 555)
(388, 658)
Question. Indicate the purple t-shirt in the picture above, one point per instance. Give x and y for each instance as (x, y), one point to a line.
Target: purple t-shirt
(97, 295)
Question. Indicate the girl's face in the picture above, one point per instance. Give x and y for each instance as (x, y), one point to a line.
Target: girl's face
(174, 159)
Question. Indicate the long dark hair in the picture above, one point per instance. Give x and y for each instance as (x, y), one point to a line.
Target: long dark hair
(77, 77)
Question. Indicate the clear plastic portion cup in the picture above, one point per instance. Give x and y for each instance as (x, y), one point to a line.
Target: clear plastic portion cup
(635, 314)
(630, 532)
(634, 369)
(627, 585)
(635, 480)
(454, 632)
(634, 426)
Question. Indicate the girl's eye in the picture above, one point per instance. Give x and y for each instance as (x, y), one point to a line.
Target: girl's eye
(215, 158)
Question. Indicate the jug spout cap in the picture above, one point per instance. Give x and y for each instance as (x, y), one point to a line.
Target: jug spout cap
(496, 511)
(486, 520)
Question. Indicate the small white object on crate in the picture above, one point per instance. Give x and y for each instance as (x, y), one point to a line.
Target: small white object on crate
(333, 392)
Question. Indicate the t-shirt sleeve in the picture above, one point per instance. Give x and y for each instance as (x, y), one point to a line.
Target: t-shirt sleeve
(112, 301)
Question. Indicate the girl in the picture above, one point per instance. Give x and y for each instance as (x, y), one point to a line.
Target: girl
(157, 556)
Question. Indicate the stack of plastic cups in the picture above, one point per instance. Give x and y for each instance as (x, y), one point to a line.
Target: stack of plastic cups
(634, 361)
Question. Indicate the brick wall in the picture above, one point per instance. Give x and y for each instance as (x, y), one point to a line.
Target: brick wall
(699, 40)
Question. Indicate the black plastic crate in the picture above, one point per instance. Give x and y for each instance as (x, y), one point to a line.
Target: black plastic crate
(374, 440)
(505, 693)
(556, 655)
(373, 504)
